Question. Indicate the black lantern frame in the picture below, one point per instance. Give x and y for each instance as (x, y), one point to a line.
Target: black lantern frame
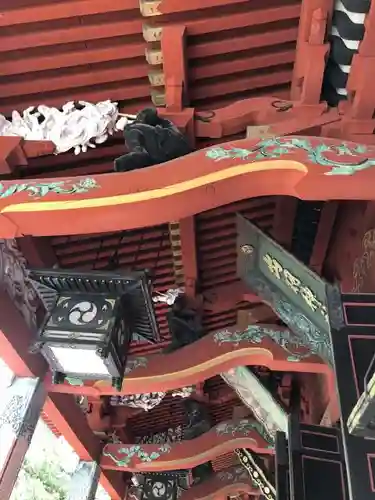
(159, 486)
(92, 317)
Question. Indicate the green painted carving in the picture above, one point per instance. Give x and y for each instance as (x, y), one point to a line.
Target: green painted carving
(41, 189)
(126, 454)
(276, 147)
(74, 381)
(244, 427)
(256, 334)
(123, 456)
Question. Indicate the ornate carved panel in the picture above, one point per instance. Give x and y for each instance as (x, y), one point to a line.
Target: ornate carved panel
(297, 295)
(15, 281)
(20, 408)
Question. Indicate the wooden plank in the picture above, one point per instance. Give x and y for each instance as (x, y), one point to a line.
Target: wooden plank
(75, 33)
(24, 85)
(210, 24)
(25, 63)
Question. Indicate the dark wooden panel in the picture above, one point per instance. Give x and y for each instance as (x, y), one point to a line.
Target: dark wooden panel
(281, 467)
(316, 463)
(353, 351)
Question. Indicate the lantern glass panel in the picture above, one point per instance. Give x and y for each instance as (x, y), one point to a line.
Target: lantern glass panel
(85, 361)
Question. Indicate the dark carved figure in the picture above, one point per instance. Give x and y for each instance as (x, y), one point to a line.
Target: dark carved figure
(151, 140)
(184, 325)
(197, 419)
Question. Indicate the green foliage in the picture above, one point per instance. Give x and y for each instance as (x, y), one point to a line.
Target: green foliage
(43, 481)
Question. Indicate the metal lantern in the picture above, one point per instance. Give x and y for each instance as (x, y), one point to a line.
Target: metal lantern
(161, 486)
(91, 319)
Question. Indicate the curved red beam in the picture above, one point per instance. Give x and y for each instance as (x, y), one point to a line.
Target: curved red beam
(215, 353)
(231, 481)
(304, 167)
(223, 438)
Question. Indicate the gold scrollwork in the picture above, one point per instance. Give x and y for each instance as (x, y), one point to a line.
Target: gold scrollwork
(363, 263)
(295, 284)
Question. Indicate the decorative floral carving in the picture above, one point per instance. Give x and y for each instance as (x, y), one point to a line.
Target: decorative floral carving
(14, 280)
(244, 427)
(265, 409)
(235, 475)
(256, 334)
(318, 341)
(73, 127)
(172, 435)
(146, 401)
(126, 454)
(184, 392)
(277, 147)
(41, 189)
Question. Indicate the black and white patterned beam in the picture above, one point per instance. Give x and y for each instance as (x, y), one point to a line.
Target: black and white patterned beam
(346, 33)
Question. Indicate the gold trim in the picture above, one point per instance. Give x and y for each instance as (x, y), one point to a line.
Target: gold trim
(363, 263)
(158, 193)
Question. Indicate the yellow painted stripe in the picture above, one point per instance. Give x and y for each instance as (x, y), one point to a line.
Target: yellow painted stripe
(152, 194)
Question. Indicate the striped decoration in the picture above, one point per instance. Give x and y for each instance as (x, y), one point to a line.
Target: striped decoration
(175, 239)
(346, 33)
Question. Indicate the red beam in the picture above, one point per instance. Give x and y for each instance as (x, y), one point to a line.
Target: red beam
(71, 422)
(172, 6)
(197, 362)
(173, 46)
(283, 223)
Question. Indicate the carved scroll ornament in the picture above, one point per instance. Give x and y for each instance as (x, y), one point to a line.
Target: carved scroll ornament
(14, 280)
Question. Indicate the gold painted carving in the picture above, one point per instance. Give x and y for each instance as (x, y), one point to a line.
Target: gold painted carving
(295, 284)
(363, 263)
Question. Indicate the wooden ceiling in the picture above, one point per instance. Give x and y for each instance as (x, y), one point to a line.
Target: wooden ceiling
(52, 51)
